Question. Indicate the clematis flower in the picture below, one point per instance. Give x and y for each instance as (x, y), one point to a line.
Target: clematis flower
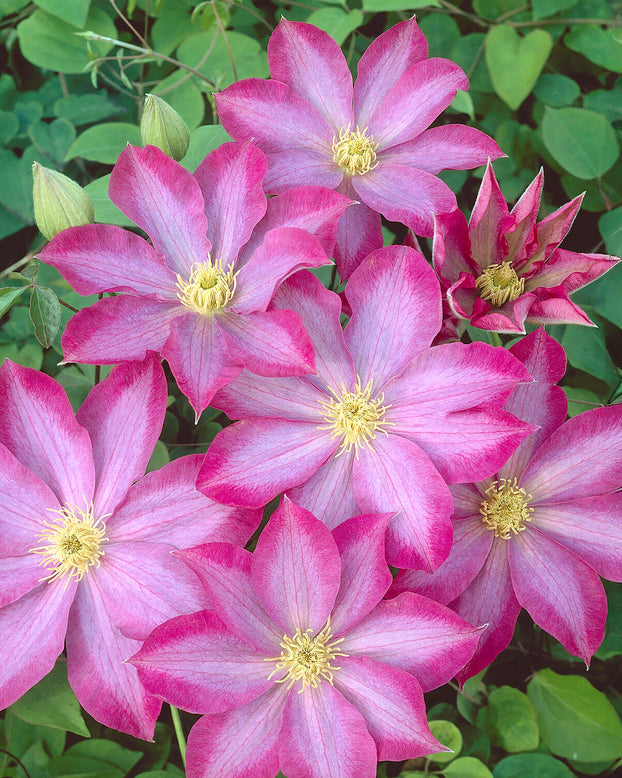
(370, 141)
(502, 269)
(197, 295)
(301, 666)
(85, 541)
(539, 533)
(383, 423)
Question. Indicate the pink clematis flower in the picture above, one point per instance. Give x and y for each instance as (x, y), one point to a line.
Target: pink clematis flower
(199, 294)
(383, 423)
(370, 141)
(502, 269)
(85, 542)
(539, 533)
(302, 666)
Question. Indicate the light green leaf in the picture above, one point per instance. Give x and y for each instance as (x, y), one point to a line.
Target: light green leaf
(578, 396)
(106, 212)
(104, 142)
(91, 758)
(202, 141)
(555, 90)
(598, 45)
(398, 5)
(45, 315)
(449, 735)
(605, 101)
(251, 60)
(512, 719)
(159, 457)
(462, 103)
(50, 43)
(30, 355)
(336, 22)
(172, 27)
(576, 720)
(8, 296)
(583, 142)
(514, 63)
(544, 8)
(74, 12)
(540, 765)
(442, 33)
(467, 767)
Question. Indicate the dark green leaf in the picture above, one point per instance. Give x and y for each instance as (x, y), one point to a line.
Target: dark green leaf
(104, 142)
(493, 9)
(442, 33)
(28, 113)
(586, 350)
(171, 28)
(9, 127)
(605, 101)
(250, 58)
(86, 109)
(512, 719)
(53, 139)
(30, 355)
(8, 296)
(580, 399)
(540, 765)
(45, 314)
(16, 185)
(612, 644)
(23, 736)
(468, 52)
(159, 457)
(9, 222)
(74, 12)
(202, 141)
(596, 44)
(555, 90)
(544, 8)
(583, 142)
(398, 5)
(94, 758)
(106, 212)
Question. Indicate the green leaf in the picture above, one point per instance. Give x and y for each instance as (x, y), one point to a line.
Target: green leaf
(555, 90)
(398, 5)
(605, 101)
(576, 720)
(586, 350)
(9, 222)
(336, 22)
(449, 735)
(50, 43)
(442, 33)
(202, 141)
(493, 9)
(514, 63)
(52, 703)
(467, 52)
(104, 142)
(467, 767)
(28, 113)
(30, 355)
(8, 296)
(91, 758)
(159, 457)
(463, 103)
(577, 397)
(45, 314)
(610, 226)
(472, 697)
(597, 45)
(9, 127)
(16, 186)
(544, 8)
(86, 109)
(251, 60)
(583, 142)
(74, 12)
(171, 28)
(612, 644)
(106, 212)
(512, 719)
(53, 139)
(541, 765)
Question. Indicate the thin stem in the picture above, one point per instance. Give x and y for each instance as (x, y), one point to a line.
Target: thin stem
(224, 35)
(15, 759)
(179, 732)
(71, 308)
(496, 340)
(19, 264)
(539, 22)
(203, 59)
(454, 9)
(128, 24)
(511, 13)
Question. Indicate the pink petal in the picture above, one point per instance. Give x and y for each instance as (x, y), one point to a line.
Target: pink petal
(489, 222)
(522, 241)
(320, 311)
(240, 742)
(324, 734)
(251, 462)
(489, 600)
(468, 498)
(106, 686)
(563, 595)
(165, 506)
(102, 258)
(19, 574)
(417, 635)
(33, 634)
(296, 569)
(452, 247)
(311, 63)
(392, 705)
(118, 329)
(39, 428)
(540, 403)
(195, 663)
(398, 476)
(580, 459)
(225, 571)
(283, 251)
(386, 60)
(552, 306)
(296, 167)
(450, 146)
(230, 180)
(123, 416)
(468, 554)
(396, 312)
(571, 270)
(405, 194)
(510, 318)
(359, 233)
(197, 353)
(164, 200)
(551, 231)
(415, 100)
(365, 576)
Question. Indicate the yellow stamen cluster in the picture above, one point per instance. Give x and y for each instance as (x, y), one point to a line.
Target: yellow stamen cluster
(210, 288)
(307, 659)
(71, 543)
(499, 283)
(505, 508)
(354, 416)
(355, 152)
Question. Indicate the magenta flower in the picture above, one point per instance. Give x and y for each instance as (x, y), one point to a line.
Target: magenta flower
(85, 542)
(199, 294)
(502, 269)
(370, 141)
(302, 666)
(538, 534)
(385, 420)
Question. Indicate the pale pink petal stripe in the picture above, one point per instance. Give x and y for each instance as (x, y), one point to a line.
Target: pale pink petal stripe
(296, 166)
(490, 220)
(19, 574)
(570, 270)
(358, 234)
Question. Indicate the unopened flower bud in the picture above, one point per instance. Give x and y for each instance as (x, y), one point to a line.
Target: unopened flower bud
(163, 127)
(59, 202)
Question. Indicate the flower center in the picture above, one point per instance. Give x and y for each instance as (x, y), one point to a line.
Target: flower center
(499, 283)
(307, 659)
(209, 288)
(354, 417)
(354, 152)
(71, 543)
(505, 508)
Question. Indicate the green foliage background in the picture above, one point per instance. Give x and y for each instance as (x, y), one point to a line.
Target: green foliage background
(546, 83)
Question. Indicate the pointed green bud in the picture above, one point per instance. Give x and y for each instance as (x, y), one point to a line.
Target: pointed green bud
(163, 127)
(59, 201)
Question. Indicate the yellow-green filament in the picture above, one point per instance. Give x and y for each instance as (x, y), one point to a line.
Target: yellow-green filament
(505, 508)
(209, 289)
(499, 283)
(307, 659)
(354, 152)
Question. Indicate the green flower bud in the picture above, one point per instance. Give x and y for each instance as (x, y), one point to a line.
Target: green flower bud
(59, 202)
(163, 127)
